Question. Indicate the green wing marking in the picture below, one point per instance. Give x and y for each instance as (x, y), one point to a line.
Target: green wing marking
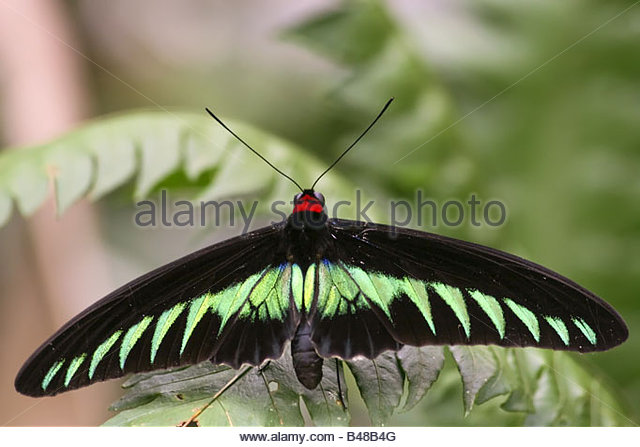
(234, 298)
(263, 296)
(197, 310)
(101, 351)
(492, 308)
(48, 377)
(526, 316)
(368, 288)
(266, 295)
(290, 286)
(296, 282)
(131, 337)
(417, 293)
(561, 329)
(330, 289)
(324, 288)
(165, 321)
(304, 291)
(585, 329)
(453, 297)
(346, 287)
(341, 289)
(73, 368)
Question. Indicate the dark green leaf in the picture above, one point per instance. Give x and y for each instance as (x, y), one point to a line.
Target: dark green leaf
(72, 175)
(352, 34)
(421, 367)
(381, 384)
(106, 153)
(24, 175)
(521, 376)
(270, 396)
(477, 366)
(545, 400)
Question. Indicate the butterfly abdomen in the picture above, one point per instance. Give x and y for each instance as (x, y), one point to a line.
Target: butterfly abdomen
(306, 362)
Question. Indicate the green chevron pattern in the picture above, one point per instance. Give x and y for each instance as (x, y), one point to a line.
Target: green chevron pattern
(332, 289)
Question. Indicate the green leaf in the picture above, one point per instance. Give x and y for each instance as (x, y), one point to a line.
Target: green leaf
(477, 365)
(567, 394)
(382, 59)
(115, 157)
(160, 151)
(150, 146)
(352, 34)
(421, 367)
(384, 381)
(545, 400)
(270, 396)
(72, 173)
(198, 156)
(229, 180)
(381, 384)
(550, 388)
(522, 378)
(501, 382)
(24, 175)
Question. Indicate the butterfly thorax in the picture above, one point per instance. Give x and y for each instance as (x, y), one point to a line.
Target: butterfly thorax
(307, 235)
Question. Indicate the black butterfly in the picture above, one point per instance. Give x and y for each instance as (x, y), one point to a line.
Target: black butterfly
(331, 287)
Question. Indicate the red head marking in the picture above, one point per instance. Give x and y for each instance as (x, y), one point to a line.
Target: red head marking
(308, 201)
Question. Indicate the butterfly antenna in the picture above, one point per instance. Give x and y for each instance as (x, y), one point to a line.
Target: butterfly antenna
(251, 149)
(384, 109)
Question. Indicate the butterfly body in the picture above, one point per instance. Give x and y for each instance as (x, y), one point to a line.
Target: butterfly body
(306, 361)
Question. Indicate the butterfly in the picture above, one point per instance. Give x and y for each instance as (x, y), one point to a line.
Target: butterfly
(331, 288)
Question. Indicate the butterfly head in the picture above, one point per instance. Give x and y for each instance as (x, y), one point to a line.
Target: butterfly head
(308, 210)
(308, 200)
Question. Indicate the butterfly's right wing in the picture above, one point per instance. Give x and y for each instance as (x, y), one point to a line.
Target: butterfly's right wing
(228, 302)
(379, 287)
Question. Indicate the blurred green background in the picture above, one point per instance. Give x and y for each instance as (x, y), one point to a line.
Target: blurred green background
(534, 103)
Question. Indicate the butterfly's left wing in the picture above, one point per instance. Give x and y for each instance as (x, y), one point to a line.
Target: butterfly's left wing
(229, 302)
(388, 286)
